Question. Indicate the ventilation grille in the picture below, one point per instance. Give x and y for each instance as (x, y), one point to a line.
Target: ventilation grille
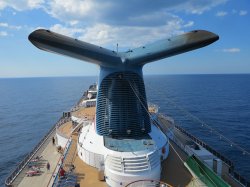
(133, 164)
(120, 113)
(154, 159)
(114, 163)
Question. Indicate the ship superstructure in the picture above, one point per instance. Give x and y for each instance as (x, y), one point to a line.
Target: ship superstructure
(122, 138)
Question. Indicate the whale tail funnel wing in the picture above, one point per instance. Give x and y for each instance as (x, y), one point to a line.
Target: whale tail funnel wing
(170, 47)
(60, 44)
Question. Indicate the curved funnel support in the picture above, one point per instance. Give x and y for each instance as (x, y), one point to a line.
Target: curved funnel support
(121, 100)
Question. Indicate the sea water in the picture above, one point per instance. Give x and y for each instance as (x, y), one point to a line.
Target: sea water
(30, 106)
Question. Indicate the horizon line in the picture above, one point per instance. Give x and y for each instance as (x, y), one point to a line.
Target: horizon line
(72, 76)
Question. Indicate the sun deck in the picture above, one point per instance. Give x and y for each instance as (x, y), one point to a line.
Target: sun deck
(86, 175)
(88, 113)
(83, 113)
(173, 170)
(65, 129)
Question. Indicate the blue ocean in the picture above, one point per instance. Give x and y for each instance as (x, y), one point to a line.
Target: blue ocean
(30, 106)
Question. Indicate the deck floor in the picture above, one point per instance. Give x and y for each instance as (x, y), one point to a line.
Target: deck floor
(86, 175)
(174, 171)
(89, 113)
(50, 155)
(66, 129)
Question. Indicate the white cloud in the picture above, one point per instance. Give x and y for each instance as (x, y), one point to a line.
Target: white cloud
(68, 31)
(112, 12)
(126, 36)
(118, 21)
(21, 4)
(231, 50)
(189, 24)
(240, 13)
(2, 4)
(71, 10)
(121, 11)
(64, 10)
(6, 25)
(198, 6)
(73, 22)
(108, 22)
(221, 13)
(243, 13)
(3, 33)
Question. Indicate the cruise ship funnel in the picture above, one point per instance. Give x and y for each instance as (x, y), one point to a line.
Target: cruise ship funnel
(122, 109)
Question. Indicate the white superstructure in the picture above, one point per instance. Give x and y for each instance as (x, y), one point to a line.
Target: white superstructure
(125, 160)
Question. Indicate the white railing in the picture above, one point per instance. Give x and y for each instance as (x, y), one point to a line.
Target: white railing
(56, 171)
(148, 183)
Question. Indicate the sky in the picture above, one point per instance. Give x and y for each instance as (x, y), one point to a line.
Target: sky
(129, 23)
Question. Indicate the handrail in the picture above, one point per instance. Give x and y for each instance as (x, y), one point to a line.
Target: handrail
(59, 124)
(66, 148)
(203, 144)
(236, 176)
(25, 161)
(217, 154)
(151, 181)
(28, 157)
(62, 121)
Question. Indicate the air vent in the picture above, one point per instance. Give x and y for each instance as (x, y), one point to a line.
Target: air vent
(120, 106)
